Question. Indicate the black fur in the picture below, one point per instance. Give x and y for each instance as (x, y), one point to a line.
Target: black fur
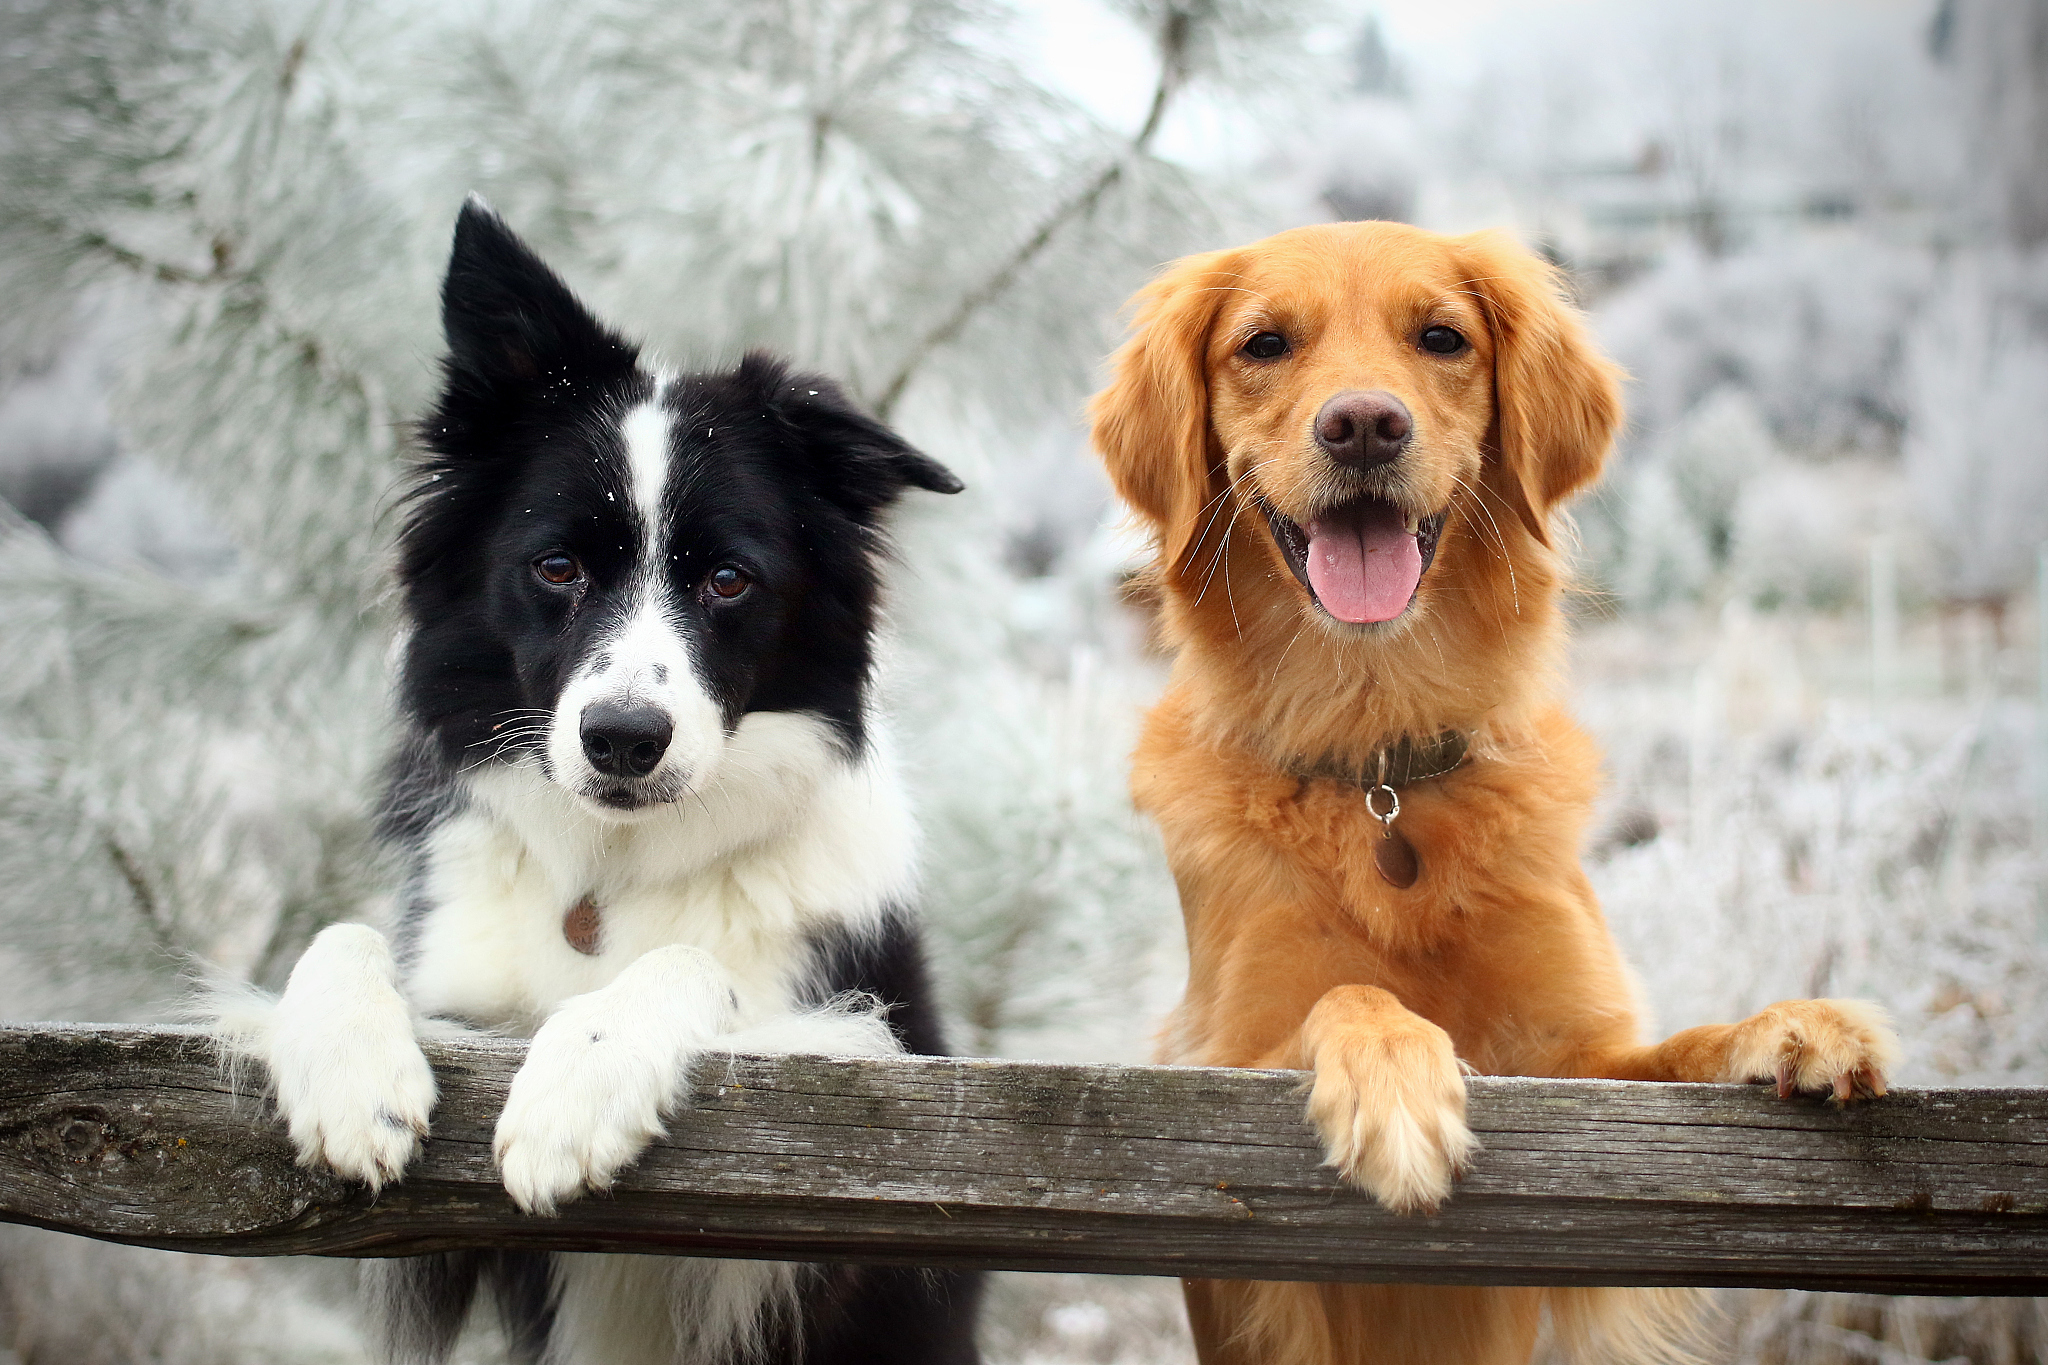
(423, 1301)
(879, 1315)
(887, 963)
(884, 1315)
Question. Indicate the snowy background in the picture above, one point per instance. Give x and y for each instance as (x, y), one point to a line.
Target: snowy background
(1816, 232)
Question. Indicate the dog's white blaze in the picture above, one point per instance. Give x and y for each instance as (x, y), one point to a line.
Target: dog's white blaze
(647, 659)
(645, 431)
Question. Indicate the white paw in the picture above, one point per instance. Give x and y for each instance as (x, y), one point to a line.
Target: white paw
(1390, 1109)
(602, 1074)
(583, 1106)
(351, 1081)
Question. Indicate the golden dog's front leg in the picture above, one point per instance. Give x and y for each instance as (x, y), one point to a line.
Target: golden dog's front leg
(1843, 1048)
(1388, 1099)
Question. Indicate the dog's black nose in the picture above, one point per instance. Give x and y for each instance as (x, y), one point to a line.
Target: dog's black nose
(1361, 428)
(625, 739)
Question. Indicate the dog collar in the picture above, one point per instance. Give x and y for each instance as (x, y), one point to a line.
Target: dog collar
(1386, 770)
(1408, 759)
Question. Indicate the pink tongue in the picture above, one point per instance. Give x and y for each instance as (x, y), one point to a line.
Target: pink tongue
(1363, 568)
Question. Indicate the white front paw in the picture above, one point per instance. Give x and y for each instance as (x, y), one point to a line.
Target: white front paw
(602, 1073)
(581, 1108)
(351, 1081)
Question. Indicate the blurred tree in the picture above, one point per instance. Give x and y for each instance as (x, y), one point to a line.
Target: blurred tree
(1977, 459)
(1999, 50)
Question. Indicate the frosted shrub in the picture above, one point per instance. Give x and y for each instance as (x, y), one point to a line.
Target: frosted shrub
(1680, 500)
(1662, 549)
(1801, 532)
(1059, 928)
(1813, 328)
(1977, 456)
(1765, 840)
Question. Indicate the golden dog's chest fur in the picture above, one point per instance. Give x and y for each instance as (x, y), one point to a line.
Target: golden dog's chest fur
(1284, 902)
(1216, 430)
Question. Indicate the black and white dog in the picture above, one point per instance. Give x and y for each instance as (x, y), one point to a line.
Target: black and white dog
(648, 812)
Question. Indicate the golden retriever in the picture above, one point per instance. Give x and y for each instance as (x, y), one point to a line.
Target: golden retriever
(1350, 440)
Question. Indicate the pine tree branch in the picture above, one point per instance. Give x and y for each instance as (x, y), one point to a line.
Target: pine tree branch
(163, 272)
(224, 273)
(89, 242)
(1174, 40)
(146, 903)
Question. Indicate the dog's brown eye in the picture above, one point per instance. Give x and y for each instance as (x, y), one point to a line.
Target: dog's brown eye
(1442, 340)
(559, 569)
(727, 582)
(1266, 346)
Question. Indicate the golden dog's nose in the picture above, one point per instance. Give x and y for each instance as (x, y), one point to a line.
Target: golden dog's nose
(1362, 428)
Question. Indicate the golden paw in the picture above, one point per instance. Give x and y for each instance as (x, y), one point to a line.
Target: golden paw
(1389, 1104)
(1842, 1048)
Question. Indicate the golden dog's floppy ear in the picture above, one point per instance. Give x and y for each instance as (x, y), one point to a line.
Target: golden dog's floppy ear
(1152, 421)
(1557, 400)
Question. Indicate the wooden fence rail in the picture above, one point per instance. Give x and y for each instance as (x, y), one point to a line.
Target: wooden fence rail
(132, 1135)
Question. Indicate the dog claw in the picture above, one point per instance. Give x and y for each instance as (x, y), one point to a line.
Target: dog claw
(1838, 1050)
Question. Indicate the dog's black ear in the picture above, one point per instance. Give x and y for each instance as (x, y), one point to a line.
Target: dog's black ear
(509, 319)
(859, 463)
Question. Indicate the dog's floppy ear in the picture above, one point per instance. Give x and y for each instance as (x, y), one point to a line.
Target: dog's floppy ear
(1151, 424)
(857, 462)
(510, 320)
(1557, 400)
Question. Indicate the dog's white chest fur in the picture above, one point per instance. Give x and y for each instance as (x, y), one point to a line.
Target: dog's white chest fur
(791, 839)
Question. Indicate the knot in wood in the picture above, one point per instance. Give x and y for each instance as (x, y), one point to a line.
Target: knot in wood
(82, 1138)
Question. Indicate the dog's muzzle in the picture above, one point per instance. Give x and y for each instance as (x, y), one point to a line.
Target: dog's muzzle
(1361, 560)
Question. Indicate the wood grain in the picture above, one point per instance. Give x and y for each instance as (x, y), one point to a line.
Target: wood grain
(133, 1135)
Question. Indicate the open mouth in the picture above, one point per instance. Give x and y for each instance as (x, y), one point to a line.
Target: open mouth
(1361, 560)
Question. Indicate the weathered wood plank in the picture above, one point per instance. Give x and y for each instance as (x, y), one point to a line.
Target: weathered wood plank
(132, 1135)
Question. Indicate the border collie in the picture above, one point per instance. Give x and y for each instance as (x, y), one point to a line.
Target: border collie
(648, 814)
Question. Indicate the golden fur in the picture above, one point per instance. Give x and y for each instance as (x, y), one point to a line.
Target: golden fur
(1301, 954)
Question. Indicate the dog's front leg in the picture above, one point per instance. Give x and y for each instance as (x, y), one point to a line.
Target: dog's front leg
(343, 1054)
(602, 1073)
(1840, 1048)
(1388, 1099)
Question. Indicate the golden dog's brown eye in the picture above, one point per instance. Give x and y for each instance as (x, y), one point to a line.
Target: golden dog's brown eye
(1442, 340)
(1266, 346)
(559, 569)
(727, 582)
